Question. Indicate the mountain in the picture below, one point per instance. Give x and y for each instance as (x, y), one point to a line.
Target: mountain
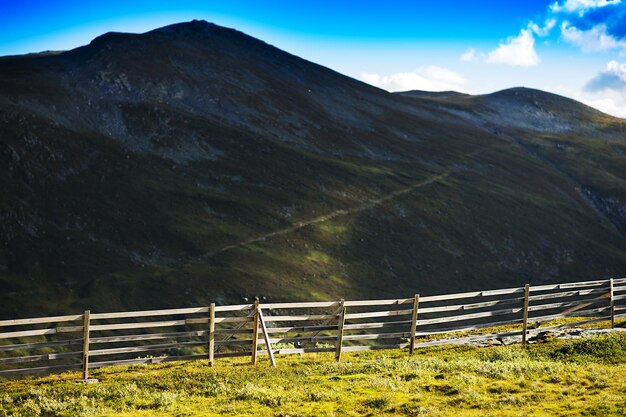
(194, 163)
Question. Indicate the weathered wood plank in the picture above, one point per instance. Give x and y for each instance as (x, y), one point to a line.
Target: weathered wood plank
(149, 313)
(377, 336)
(471, 306)
(41, 320)
(566, 294)
(40, 332)
(233, 342)
(198, 320)
(299, 339)
(266, 336)
(292, 329)
(42, 357)
(143, 325)
(29, 346)
(143, 337)
(297, 351)
(340, 325)
(377, 347)
(525, 312)
(306, 304)
(552, 287)
(373, 314)
(372, 303)
(237, 307)
(309, 317)
(211, 330)
(612, 302)
(504, 312)
(255, 333)
(414, 314)
(369, 303)
(506, 291)
(379, 325)
(473, 294)
(144, 348)
(219, 320)
(232, 320)
(167, 323)
(233, 331)
(86, 324)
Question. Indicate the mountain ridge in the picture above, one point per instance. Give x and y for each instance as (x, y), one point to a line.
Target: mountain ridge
(123, 168)
(203, 27)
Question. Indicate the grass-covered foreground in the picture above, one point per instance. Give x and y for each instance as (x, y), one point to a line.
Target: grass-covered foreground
(582, 377)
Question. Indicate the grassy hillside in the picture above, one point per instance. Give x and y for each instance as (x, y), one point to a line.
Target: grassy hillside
(565, 378)
(198, 162)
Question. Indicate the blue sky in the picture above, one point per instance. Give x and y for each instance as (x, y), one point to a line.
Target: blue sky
(572, 47)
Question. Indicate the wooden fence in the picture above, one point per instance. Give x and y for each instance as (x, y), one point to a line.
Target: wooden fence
(92, 340)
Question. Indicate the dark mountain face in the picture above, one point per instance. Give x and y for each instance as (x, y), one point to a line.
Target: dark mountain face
(194, 163)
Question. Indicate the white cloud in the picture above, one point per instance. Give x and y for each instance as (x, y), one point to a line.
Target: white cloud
(611, 102)
(517, 51)
(468, 55)
(581, 6)
(617, 68)
(542, 31)
(592, 40)
(373, 79)
(605, 92)
(431, 78)
(613, 78)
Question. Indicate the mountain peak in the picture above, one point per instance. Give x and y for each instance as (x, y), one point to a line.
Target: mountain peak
(431, 94)
(187, 27)
(523, 92)
(544, 100)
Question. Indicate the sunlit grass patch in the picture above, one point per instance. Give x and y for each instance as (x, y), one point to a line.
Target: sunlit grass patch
(562, 377)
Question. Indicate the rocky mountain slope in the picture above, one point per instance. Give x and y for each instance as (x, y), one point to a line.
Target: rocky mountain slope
(195, 163)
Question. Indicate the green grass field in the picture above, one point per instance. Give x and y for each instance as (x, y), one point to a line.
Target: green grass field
(579, 377)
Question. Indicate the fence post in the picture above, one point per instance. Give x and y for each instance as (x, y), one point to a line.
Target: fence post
(86, 321)
(255, 331)
(525, 322)
(416, 303)
(612, 303)
(341, 323)
(212, 334)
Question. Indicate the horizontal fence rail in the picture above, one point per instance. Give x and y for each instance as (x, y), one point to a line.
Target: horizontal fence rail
(93, 340)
